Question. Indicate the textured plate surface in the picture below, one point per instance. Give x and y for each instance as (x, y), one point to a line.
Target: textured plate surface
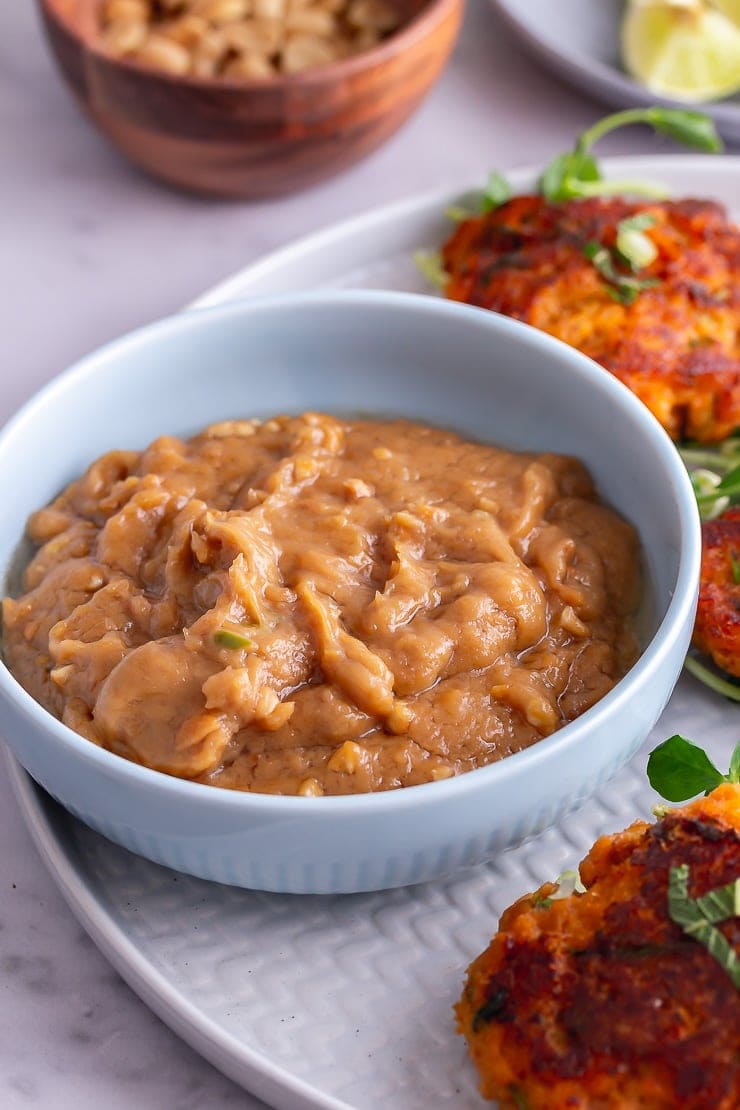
(344, 1002)
(579, 41)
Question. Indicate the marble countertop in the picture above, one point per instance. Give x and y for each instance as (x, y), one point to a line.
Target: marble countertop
(91, 248)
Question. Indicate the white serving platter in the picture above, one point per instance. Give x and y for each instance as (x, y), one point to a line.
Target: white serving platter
(346, 1002)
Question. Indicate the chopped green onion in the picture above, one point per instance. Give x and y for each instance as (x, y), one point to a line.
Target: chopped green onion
(641, 221)
(569, 882)
(622, 287)
(491, 1009)
(496, 192)
(711, 501)
(429, 265)
(715, 475)
(634, 246)
(518, 1098)
(735, 564)
(225, 637)
(458, 214)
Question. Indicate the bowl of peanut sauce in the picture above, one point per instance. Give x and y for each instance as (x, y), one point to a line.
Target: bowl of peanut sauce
(340, 605)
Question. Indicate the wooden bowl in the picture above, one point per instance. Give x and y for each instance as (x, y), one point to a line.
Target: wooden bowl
(252, 138)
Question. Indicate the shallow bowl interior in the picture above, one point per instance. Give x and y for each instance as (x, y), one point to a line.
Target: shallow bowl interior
(369, 353)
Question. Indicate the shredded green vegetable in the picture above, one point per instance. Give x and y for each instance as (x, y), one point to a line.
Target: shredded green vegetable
(712, 677)
(429, 265)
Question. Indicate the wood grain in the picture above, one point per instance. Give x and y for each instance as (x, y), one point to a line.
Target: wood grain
(252, 139)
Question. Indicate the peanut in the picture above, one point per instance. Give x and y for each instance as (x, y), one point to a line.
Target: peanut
(248, 39)
(164, 54)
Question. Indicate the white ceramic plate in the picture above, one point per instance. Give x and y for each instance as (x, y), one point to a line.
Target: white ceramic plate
(344, 1002)
(579, 41)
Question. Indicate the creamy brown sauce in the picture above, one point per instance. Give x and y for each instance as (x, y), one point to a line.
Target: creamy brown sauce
(316, 605)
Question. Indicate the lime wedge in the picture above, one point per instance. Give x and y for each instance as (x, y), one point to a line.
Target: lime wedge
(681, 49)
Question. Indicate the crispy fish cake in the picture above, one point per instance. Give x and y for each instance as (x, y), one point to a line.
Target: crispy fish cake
(677, 346)
(600, 1000)
(717, 628)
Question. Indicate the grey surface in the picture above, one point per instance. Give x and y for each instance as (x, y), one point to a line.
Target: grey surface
(579, 41)
(88, 249)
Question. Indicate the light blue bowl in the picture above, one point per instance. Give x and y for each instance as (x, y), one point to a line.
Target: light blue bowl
(383, 353)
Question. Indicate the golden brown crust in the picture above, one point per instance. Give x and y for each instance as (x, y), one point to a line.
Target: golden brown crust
(600, 1000)
(717, 629)
(676, 346)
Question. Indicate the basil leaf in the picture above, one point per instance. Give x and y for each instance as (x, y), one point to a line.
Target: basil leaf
(696, 917)
(678, 770)
(720, 903)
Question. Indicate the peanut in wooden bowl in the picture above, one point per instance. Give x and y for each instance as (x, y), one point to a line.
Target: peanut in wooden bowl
(252, 139)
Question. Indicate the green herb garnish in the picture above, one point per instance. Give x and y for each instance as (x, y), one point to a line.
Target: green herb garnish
(225, 637)
(429, 265)
(496, 192)
(493, 1009)
(727, 490)
(634, 247)
(679, 770)
(624, 288)
(518, 1098)
(735, 565)
(712, 677)
(577, 174)
(459, 214)
(715, 475)
(698, 916)
(569, 882)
